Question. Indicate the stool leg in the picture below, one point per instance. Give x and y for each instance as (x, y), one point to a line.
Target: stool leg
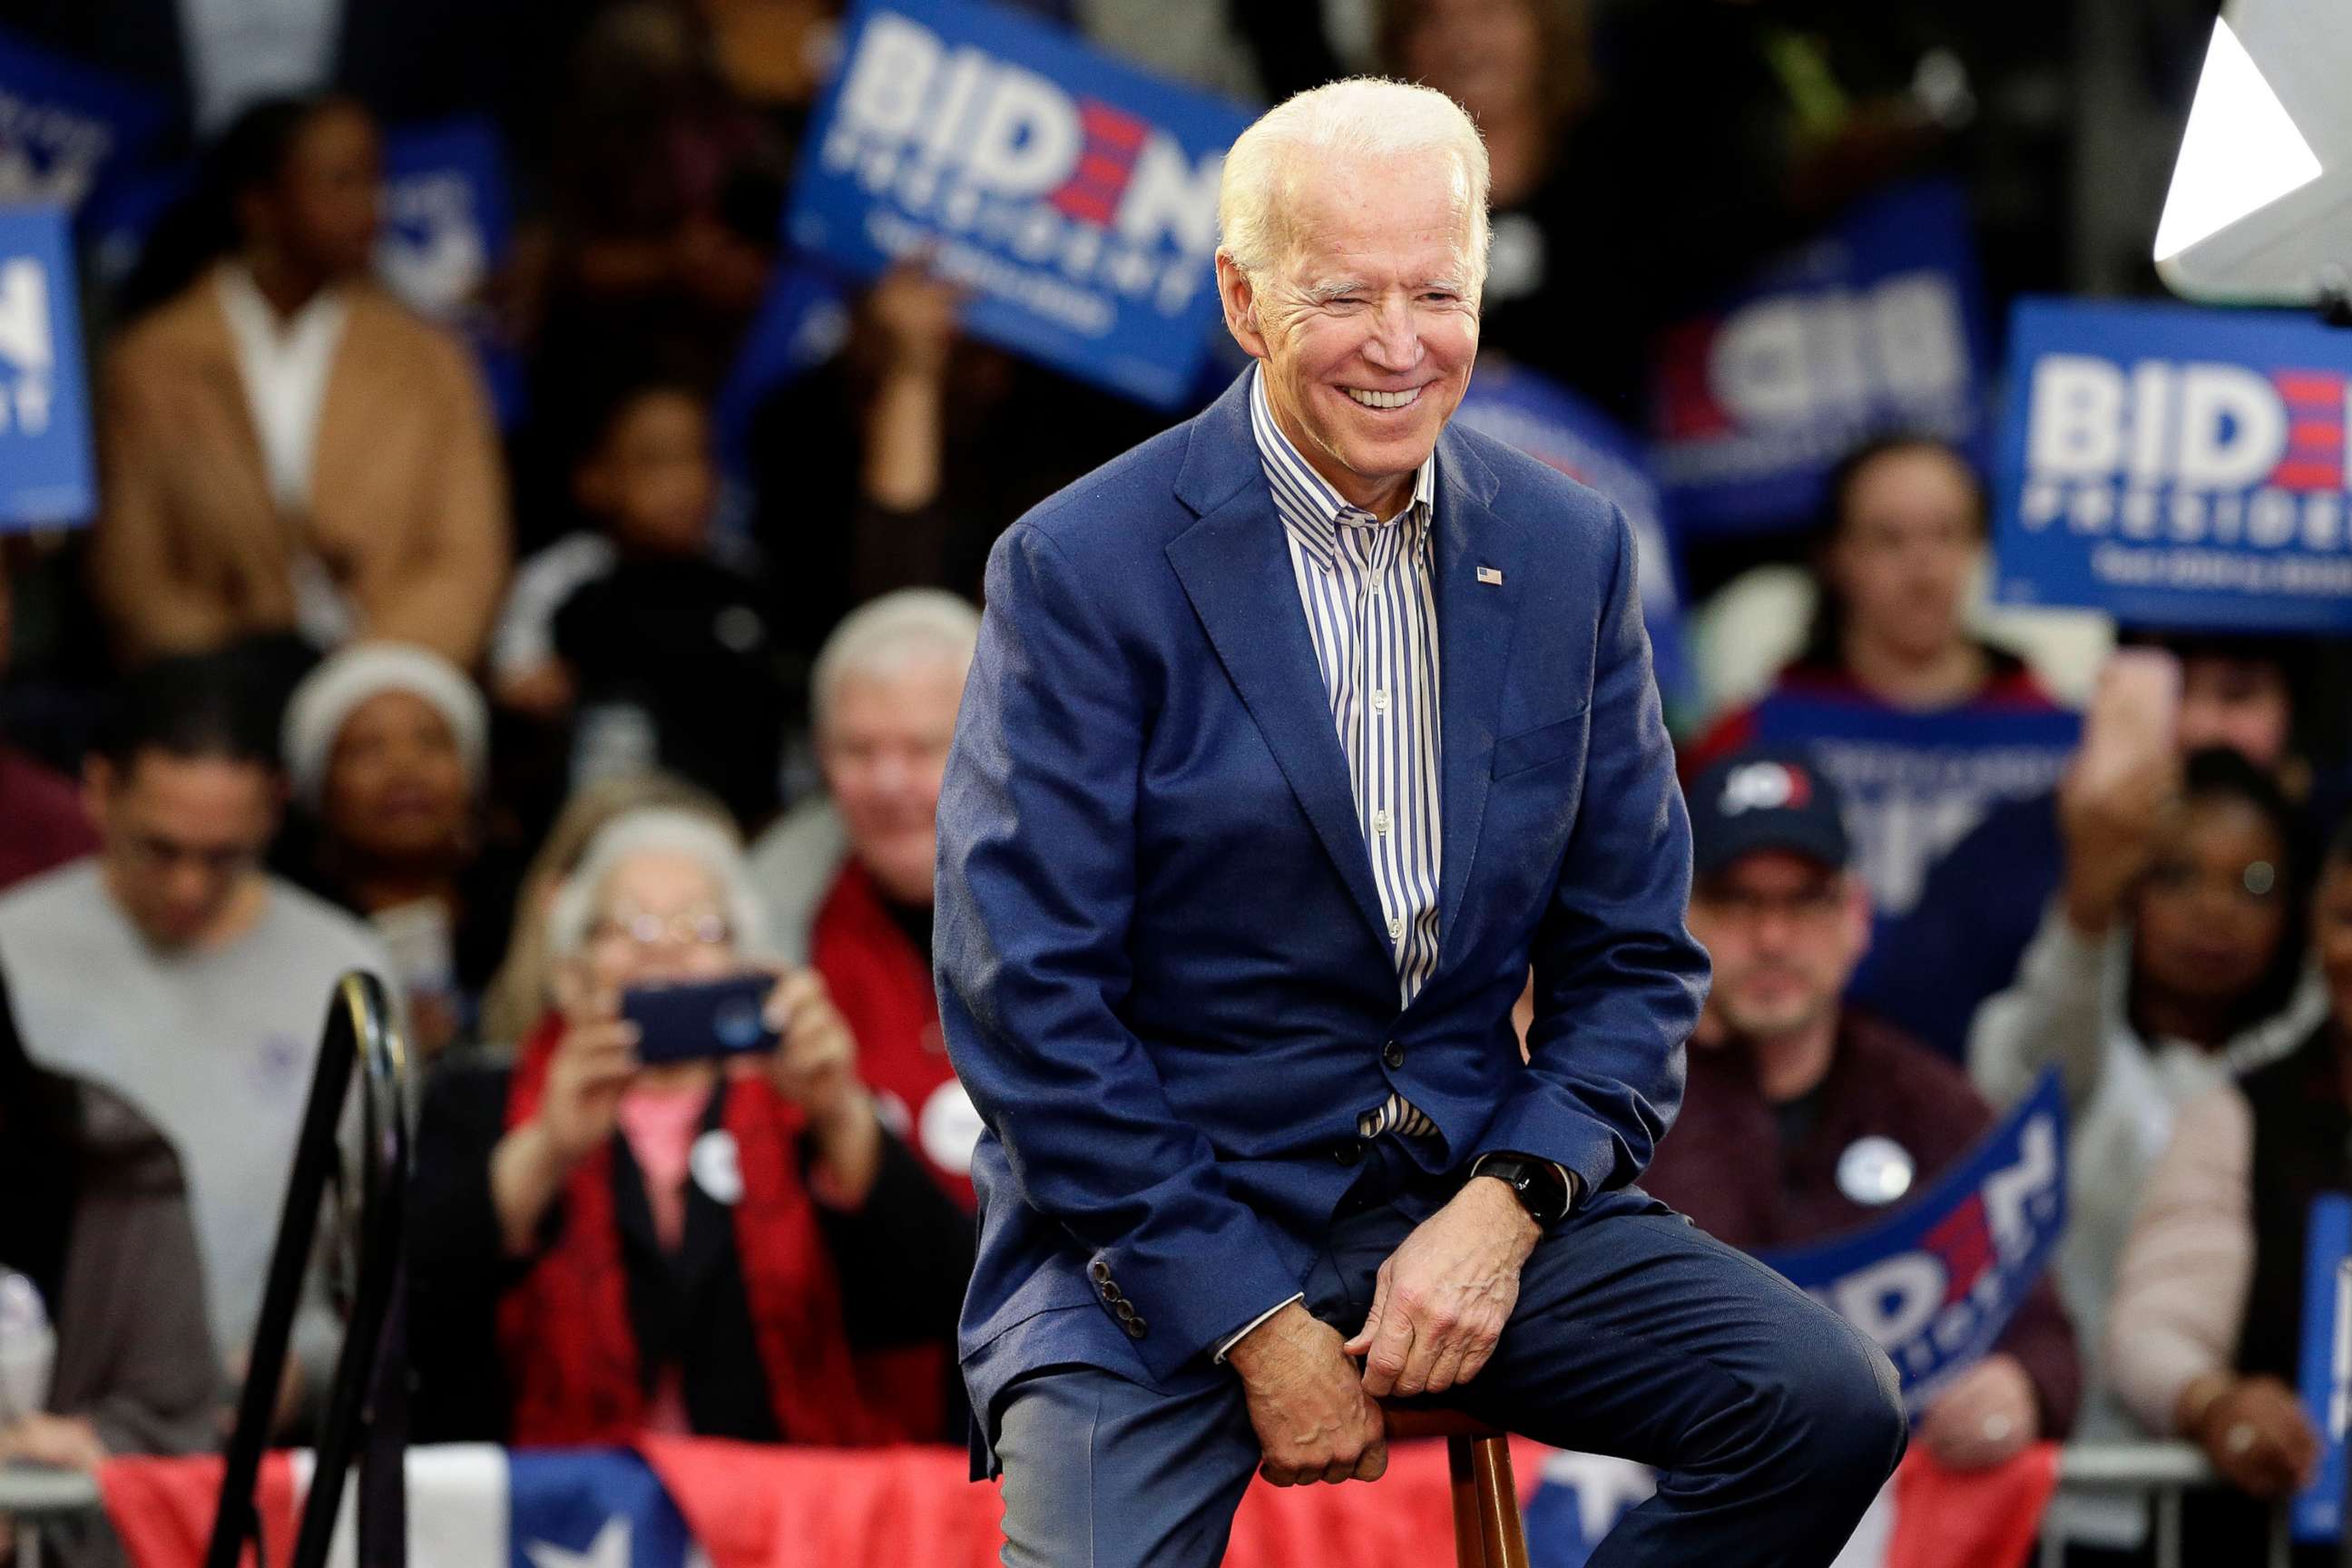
(1469, 1527)
(1503, 1532)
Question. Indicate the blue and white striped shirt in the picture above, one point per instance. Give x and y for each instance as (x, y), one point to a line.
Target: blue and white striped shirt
(1369, 593)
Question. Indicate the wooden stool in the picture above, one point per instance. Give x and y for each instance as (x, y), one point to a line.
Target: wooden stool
(1487, 1529)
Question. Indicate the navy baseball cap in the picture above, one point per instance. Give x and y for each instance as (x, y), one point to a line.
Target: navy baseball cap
(1766, 797)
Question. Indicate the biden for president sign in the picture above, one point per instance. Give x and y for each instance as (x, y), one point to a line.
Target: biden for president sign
(1936, 1282)
(1877, 325)
(45, 458)
(1074, 198)
(2177, 467)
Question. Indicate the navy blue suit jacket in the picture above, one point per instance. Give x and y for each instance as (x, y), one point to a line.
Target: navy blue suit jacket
(1163, 972)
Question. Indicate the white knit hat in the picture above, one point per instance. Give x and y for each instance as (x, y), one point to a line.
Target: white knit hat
(330, 694)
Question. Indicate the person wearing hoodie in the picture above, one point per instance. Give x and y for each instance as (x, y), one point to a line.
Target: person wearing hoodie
(2171, 961)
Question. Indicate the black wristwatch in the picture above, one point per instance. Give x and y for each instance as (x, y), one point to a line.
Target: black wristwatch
(1538, 1184)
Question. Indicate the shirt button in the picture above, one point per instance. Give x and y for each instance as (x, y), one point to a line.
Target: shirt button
(1379, 822)
(1379, 698)
(1396, 928)
(1393, 1055)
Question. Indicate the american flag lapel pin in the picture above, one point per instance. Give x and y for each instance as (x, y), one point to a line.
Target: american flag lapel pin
(1488, 574)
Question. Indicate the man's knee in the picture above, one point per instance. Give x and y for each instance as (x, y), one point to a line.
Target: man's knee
(1838, 1413)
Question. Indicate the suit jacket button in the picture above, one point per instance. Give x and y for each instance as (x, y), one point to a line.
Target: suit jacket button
(1101, 1270)
(1393, 1055)
(1124, 1310)
(1109, 1291)
(1347, 1150)
(1137, 1328)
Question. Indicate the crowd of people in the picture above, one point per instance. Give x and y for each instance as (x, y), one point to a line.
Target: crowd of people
(345, 676)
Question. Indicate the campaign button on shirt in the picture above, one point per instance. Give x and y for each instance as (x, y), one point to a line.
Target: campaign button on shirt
(1875, 1170)
(716, 1166)
(950, 1129)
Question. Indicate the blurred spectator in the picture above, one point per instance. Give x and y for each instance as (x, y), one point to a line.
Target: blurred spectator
(664, 200)
(885, 694)
(171, 969)
(103, 1345)
(2204, 1340)
(639, 631)
(1524, 70)
(287, 449)
(523, 989)
(1985, 898)
(2169, 961)
(668, 184)
(868, 484)
(47, 823)
(1905, 533)
(1807, 1118)
(578, 1275)
(385, 745)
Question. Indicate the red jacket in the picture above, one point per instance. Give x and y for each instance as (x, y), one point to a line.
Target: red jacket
(1725, 1165)
(883, 986)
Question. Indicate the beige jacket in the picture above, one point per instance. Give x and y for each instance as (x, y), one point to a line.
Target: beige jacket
(2181, 1292)
(408, 510)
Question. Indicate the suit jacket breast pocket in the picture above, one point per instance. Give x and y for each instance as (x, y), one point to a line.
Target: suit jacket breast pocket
(1545, 744)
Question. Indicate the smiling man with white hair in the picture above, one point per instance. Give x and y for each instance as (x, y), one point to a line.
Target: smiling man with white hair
(1295, 737)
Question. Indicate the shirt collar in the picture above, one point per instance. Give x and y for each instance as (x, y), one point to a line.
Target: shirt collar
(255, 321)
(1310, 509)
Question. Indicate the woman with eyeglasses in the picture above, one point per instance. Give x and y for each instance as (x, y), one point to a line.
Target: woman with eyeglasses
(2172, 960)
(606, 1245)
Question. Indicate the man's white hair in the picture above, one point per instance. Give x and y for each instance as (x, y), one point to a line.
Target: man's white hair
(886, 636)
(659, 830)
(1369, 118)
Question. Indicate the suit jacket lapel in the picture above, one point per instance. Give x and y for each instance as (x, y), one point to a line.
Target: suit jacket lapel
(1475, 621)
(1235, 565)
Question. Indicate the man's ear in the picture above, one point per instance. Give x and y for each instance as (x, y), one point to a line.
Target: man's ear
(1856, 918)
(1239, 296)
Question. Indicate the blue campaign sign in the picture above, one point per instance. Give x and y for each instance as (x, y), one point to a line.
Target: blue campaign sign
(2177, 467)
(45, 453)
(1554, 425)
(1878, 325)
(1936, 1282)
(448, 224)
(1915, 783)
(1073, 196)
(65, 127)
(2326, 1371)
